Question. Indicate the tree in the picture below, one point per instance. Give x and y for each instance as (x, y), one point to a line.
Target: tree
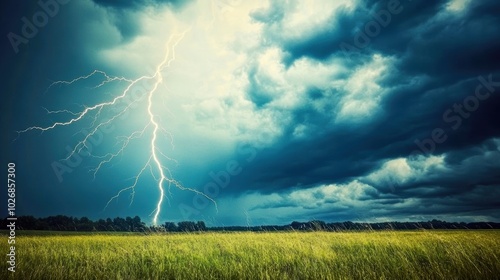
(297, 225)
(137, 224)
(170, 226)
(186, 226)
(120, 224)
(101, 225)
(85, 224)
(109, 224)
(27, 222)
(200, 226)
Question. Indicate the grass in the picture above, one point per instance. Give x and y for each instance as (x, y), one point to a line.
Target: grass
(281, 255)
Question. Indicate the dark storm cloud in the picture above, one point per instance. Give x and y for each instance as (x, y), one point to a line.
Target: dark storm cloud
(436, 59)
(475, 203)
(64, 48)
(351, 150)
(140, 4)
(463, 171)
(450, 192)
(439, 56)
(425, 38)
(403, 19)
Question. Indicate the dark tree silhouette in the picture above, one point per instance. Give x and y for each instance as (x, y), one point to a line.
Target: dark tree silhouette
(170, 226)
(65, 223)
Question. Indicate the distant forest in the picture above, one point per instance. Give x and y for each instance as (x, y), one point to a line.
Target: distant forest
(129, 224)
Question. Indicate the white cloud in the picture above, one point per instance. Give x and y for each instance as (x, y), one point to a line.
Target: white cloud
(205, 90)
(402, 170)
(363, 94)
(206, 86)
(352, 199)
(306, 17)
(456, 6)
(203, 96)
(301, 19)
(339, 196)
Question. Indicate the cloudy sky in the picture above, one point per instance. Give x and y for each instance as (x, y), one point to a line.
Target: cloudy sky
(260, 112)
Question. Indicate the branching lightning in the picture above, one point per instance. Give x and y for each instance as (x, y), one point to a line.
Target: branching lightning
(94, 114)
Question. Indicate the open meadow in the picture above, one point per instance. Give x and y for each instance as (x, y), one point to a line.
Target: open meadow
(429, 254)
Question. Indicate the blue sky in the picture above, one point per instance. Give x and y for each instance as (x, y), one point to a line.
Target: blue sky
(267, 112)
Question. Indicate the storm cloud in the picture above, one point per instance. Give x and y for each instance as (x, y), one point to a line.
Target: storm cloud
(334, 110)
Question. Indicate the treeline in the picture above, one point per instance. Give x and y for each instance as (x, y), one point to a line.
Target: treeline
(350, 226)
(65, 223)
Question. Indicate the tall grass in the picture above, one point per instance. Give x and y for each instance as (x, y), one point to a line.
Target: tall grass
(281, 255)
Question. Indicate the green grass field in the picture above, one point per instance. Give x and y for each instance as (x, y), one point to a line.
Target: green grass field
(282, 255)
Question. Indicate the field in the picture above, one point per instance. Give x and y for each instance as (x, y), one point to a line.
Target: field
(281, 255)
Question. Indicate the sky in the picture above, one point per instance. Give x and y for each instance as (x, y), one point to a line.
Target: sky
(253, 112)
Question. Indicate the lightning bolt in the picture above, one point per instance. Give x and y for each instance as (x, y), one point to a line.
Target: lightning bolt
(163, 175)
